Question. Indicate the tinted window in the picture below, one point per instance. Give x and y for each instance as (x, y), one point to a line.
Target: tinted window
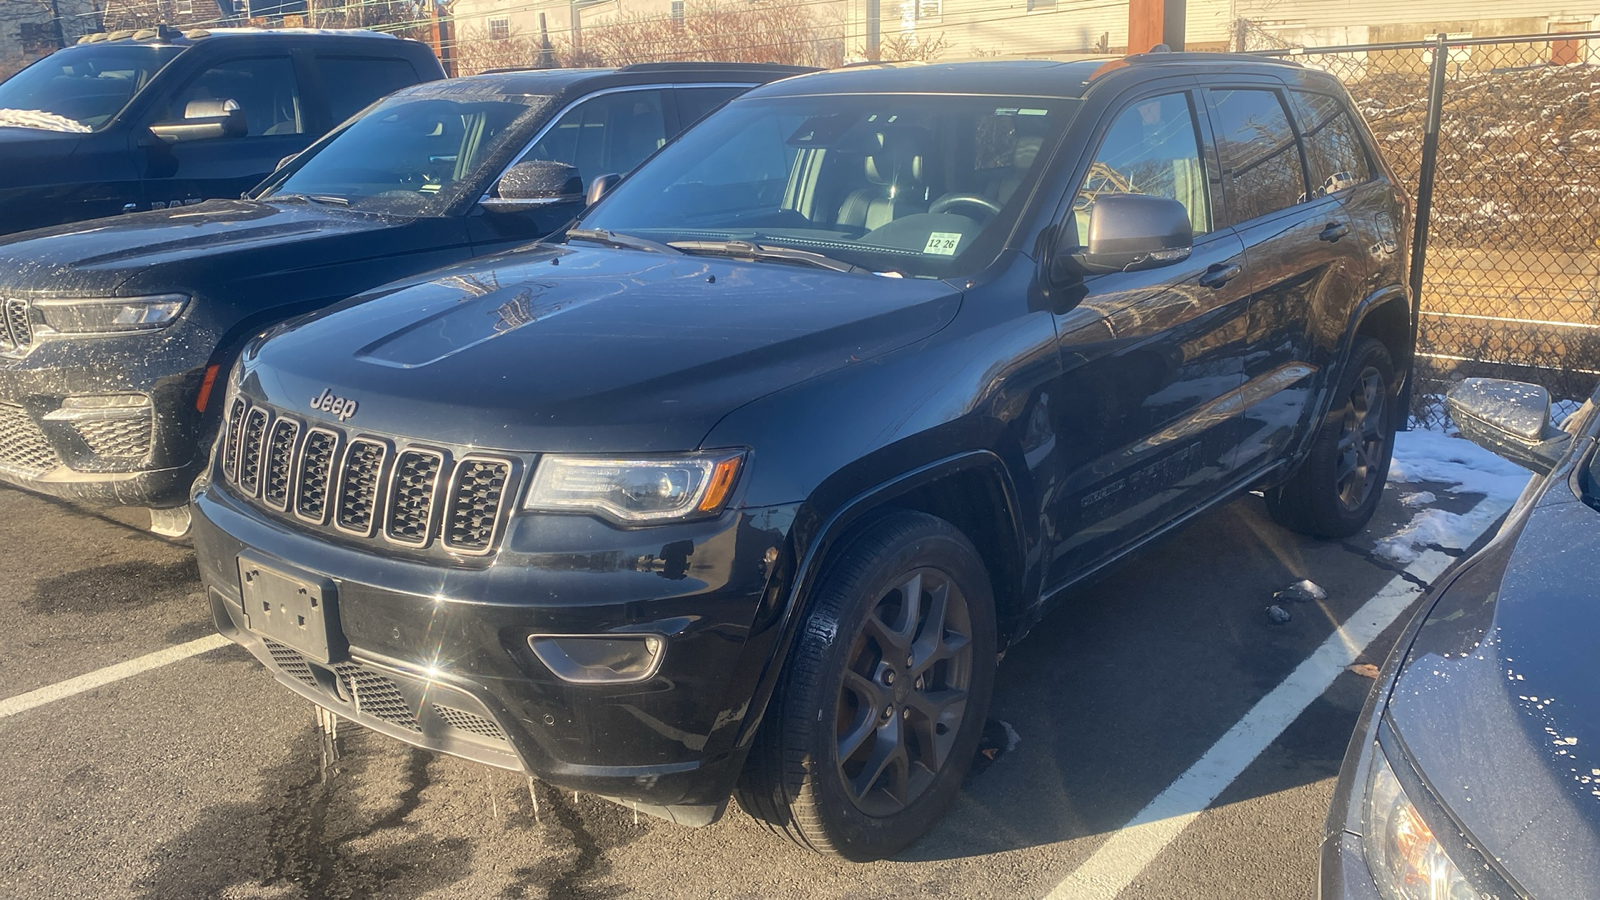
(694, 103)
(1152, 148)
(1334, 152)
(79, 88)
(611, 133)
(353, 83)
(265, 90)
(1258, 149)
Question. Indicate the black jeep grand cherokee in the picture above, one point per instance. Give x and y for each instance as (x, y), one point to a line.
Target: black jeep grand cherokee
(747, 484)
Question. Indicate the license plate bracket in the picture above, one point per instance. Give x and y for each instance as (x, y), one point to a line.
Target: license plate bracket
(295, 609)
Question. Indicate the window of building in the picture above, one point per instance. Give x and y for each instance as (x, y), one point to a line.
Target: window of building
(929, 9)
(678, 14)
(499, 29)
(1034, 5)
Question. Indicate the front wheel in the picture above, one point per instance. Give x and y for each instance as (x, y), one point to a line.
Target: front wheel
(1338, 487)
(883, 698)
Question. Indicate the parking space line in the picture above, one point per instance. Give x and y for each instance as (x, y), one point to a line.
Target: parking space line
(101, 677)
(1133, 847)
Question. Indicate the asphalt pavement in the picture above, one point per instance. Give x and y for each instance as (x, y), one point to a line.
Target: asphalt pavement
(203, 778)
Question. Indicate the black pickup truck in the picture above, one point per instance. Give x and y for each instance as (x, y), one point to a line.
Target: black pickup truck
(153, 119)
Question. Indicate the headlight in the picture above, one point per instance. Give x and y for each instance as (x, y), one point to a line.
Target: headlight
(1406, 860)
(108, 315)
(636, 491)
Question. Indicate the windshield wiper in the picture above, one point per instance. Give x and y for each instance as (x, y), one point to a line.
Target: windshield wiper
(625, 241)
(325, 199)
(751, 250)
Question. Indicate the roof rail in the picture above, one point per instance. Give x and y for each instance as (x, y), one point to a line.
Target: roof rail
(687, 65)
(1161, 55)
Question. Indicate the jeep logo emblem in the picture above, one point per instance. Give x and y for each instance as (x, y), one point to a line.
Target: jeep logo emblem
(334, 405)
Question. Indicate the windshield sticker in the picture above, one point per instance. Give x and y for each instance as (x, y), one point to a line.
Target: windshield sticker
(942, 243)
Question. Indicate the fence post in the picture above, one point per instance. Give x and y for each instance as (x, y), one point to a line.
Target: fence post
(1419, 238)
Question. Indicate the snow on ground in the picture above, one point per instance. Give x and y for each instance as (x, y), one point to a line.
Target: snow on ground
(1468, 469)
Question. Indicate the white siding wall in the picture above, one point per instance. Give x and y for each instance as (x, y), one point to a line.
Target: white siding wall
(1341, 13)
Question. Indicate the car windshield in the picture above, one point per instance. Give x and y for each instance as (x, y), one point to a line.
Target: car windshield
(411, 154)
(80, 88)
(909, 185)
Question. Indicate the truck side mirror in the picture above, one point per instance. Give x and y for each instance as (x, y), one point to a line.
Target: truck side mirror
(1510, 419)
(1128, 233)
(600, 187)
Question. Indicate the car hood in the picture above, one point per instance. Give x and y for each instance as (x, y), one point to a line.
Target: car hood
(161, 249)
(1498, 702)
(587, 349)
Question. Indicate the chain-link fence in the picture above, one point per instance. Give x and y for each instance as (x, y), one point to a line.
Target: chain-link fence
(1507, 130)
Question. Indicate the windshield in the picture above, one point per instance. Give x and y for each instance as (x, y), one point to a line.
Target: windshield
(411, 155)
(909, 185)
(80, 88)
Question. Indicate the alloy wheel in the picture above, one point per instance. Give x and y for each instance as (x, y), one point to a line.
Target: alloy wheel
(1363, 436)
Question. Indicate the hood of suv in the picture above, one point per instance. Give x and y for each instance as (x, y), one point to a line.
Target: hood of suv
(168, 249)
(586, 349)
(1497, 702)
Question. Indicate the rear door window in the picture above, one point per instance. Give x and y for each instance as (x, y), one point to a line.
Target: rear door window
(354, 82)
(1335, 155)
(1258, 150)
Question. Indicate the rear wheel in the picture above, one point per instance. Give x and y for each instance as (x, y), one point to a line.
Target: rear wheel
(883, 700)
(1338, 487)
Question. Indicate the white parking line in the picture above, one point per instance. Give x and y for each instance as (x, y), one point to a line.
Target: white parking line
(101, 677)
(1121, 859)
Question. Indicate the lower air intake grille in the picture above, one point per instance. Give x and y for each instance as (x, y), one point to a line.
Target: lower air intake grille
(124, 438)
(358, 486)
(377, 696)
(23, 447)
(471, 723)
(476, 495)
(280, 463)
(291, 663)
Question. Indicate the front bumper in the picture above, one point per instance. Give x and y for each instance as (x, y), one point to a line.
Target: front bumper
(438, 652)
(105, 420)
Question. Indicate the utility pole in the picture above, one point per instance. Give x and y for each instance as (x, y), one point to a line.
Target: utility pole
(1152, 22)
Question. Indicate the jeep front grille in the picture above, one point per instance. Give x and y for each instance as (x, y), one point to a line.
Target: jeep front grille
(368, 486)
(23, 447)
(16, 326)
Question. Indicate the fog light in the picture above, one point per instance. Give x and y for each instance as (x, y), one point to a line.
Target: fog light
(600, 659)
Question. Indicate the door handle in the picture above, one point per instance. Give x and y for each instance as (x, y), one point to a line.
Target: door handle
(1220, 274)
(1333, 231)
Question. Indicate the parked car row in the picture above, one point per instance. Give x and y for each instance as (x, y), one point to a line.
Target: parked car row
(742, 483)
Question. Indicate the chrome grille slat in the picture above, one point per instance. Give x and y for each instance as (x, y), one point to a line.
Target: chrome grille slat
(250, 438)
(281, 444)
(413, 493)
(357, 499)
(314, 474)
(365, 485)
(476, 500)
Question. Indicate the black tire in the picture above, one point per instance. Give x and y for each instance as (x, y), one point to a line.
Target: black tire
(1337, 488)
(794, 780)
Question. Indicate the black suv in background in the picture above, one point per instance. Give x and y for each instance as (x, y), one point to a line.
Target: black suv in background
(746, 485)
(133, 121)
(114, 330)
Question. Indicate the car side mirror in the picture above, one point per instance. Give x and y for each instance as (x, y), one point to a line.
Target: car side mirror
(536, 182)
(600, 187)
(1510, 419)
(204, 120)
(1128, 233)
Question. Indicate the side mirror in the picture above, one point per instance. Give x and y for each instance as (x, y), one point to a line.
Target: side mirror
(536, 182)
(600, 187)
(1510, 419)
(1127, 233)
(203, 120)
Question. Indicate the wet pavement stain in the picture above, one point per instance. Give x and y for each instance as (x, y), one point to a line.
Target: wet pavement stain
(313, 839)
(116, 585)
(590, 827)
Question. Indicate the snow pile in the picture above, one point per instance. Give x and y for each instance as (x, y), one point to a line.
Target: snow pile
(1467, 469)
(44, 121)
